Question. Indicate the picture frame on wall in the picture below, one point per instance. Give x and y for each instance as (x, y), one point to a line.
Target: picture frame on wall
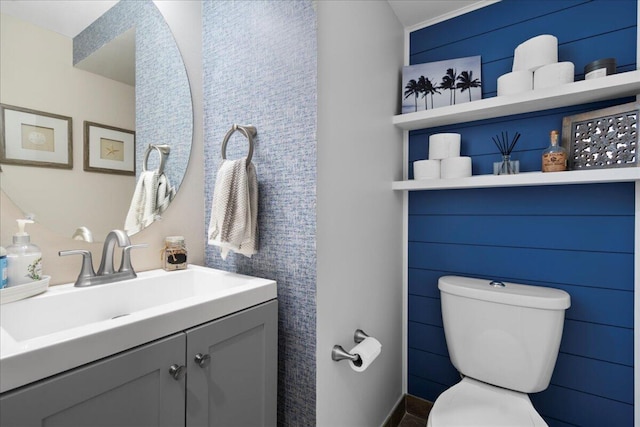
(605, 138)
(109, 149)
(441, 83)
(35, 138)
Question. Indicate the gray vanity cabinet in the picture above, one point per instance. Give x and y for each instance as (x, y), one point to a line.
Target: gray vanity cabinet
(232, 383)
(129, 389)
(232, 370)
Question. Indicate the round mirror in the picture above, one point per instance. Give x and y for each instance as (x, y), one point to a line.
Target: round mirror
(96, 128)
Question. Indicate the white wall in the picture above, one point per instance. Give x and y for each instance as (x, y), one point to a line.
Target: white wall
(359, 217)
(186, 214)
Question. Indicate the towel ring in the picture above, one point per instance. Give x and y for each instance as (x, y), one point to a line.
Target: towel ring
(163, 151)
(248, 131)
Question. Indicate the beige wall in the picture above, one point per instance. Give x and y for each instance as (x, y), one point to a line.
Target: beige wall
(186, 214)
(36, 72)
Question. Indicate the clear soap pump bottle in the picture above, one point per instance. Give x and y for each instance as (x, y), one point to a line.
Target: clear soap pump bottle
(554, 158)
(24, 259)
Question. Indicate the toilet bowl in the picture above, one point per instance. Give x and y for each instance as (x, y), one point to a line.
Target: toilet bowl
(474, 403)
(504, 340)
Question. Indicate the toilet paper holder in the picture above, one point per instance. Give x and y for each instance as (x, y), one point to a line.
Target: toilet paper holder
(338, 353)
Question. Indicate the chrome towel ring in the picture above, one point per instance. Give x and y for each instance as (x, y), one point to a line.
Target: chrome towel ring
(249, 131)
(163, 151)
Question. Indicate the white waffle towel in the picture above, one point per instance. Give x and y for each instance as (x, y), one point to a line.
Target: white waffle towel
(165, 195)
(234, 209)
(151, 198)
(142, 210)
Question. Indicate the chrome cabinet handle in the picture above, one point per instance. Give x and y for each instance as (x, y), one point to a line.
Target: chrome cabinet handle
(202, 360)
(176, 371)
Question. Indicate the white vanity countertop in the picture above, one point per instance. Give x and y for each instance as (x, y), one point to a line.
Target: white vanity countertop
(67, 327)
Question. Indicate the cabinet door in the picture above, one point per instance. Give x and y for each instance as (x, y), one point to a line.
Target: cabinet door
(133, 388)
(237, 385)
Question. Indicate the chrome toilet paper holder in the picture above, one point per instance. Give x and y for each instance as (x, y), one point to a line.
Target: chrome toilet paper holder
(338, 353)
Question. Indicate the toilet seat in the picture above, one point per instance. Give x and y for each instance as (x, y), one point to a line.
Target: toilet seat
(474, 403)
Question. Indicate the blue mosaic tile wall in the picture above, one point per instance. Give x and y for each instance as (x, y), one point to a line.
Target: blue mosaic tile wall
(260, 68)
(164, 113)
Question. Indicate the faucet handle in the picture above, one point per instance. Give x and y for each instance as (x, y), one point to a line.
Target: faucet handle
(125, 263)
(86, 271)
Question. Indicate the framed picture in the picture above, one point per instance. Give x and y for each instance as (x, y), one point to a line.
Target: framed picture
(34, 138)
(440, 84)
(606, 138)
(109, 149)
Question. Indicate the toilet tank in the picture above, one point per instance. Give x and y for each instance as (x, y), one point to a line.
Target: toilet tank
(502, 333)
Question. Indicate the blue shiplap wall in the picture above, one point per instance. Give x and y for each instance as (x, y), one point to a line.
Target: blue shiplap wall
(578, 238)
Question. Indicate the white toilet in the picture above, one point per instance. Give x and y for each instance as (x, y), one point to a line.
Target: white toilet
(503, 338)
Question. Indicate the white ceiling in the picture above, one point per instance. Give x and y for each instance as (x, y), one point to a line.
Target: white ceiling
(414, 12)
(65, 17)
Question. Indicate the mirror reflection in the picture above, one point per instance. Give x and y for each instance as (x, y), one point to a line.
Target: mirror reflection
(147, 94)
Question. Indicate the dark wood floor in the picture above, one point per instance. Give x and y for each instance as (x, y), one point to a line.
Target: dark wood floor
(412, 421)
(410, 412)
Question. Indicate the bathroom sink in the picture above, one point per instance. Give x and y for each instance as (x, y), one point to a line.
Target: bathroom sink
(66, 326)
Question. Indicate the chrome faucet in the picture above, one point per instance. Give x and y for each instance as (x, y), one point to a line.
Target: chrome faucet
(106, 263)
(106, 272)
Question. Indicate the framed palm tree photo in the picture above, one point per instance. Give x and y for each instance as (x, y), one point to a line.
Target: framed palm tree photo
(442, 83)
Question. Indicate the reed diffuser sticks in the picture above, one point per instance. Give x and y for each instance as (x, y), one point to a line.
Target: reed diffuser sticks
(503, 143)
(506, 146)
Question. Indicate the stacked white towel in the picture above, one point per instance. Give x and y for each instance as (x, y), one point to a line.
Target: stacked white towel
(151, 197)
(234, 211)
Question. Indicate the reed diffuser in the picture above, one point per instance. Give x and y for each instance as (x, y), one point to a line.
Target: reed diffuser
(506, 146)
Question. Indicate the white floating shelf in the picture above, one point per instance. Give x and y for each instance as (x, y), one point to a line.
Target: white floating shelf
(581, 92)
(524, 179)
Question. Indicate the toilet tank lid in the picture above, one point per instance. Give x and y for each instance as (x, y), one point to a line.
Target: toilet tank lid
(511, 294)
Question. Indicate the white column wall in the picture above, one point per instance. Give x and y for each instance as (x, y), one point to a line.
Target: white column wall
(359, 217)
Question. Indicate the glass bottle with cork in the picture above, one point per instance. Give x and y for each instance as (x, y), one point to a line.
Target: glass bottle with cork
(174, 254)
(554, 158)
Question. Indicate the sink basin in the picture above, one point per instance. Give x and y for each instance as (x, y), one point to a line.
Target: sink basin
(66, 326)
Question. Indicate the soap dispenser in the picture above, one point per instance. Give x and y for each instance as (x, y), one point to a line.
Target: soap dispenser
(3, 267)
(24, 259)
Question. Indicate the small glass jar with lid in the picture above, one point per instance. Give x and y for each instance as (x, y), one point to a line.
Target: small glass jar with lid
(174, 254)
